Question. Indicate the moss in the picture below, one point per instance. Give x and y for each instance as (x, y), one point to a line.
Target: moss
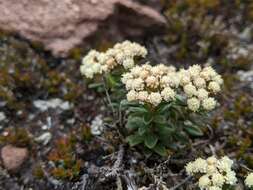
(27, 72)
(241, 108)
(197, 33)
(16, 136)
(76, 54)
(67, 165)
(249, 160)
(86, 133)
(38, 172)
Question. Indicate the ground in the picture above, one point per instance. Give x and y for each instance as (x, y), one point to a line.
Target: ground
(46, 106)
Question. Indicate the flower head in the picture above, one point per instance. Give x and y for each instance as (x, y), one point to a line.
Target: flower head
(249, 180)
(120, 54)
(215, 172)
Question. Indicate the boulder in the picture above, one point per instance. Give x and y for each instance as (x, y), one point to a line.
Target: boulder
(62, 25)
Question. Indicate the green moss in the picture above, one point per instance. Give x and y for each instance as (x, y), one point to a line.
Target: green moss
(76, 54)
(192, 30)
(38, 172)
(241, 108)
(27, 71)
(16, 136)
(86, 133)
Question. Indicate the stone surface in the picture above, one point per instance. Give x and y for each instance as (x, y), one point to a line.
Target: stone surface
(44, 138)
(13, 157)
(247, 77)
(61, 25)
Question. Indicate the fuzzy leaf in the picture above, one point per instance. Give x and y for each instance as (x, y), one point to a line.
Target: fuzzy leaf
(135, 122)
(147, 118)
(194, 131)
(150, 140)
(160, 119)
(125, 103)
(134, 139)
(160, 149)
(138, 110)
(142, 130)
(181, 136)
(164, 108)
(164, 130)
(95, 85)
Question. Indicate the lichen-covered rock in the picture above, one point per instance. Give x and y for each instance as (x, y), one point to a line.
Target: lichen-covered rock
(60, 26)
(13, 157)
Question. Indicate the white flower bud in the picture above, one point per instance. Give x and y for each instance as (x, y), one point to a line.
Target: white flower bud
(131, 95)
(214, 87)
(168, 94)
(204, 182)
(155, 98)
(202, 94)
(193, 104)
(209, 104)
(190, 90)
(249, 180)
(199, 82)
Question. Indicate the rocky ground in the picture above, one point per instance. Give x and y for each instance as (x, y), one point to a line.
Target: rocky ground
(53, 128)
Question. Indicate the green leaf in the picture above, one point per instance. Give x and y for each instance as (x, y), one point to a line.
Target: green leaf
(95, 85)
(139, 110)
(111, 81)
(150, 140)
(165, 133)
(147, 118)
(180, 100)
(147, 152)
(164, 130)
(142, 130)
(181, 136)
(134, 139)
(125, 103)
(160, 149)
(164, 108)
(160, 119)
(194, 131)
(135, 122)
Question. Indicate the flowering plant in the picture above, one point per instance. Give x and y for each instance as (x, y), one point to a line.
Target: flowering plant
(104, 69)
(216, 173)
(162, 103)
(167, 102)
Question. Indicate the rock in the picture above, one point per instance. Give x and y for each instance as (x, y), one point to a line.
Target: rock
(247, 77)
(97, 125)
(2, 116)
(44, 138)
(44, 105)
(62, 26)
(13, 157)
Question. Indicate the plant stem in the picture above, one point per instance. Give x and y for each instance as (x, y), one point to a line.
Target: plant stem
(108, 96)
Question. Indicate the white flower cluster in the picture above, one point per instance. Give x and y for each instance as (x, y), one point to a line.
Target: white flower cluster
(216, 172)
(121, 54)
(249, 180)
(198, 84)
(151, 84)
(155, 84)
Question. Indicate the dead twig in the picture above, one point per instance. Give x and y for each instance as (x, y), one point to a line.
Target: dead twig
(117, 165)
(181, 183)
